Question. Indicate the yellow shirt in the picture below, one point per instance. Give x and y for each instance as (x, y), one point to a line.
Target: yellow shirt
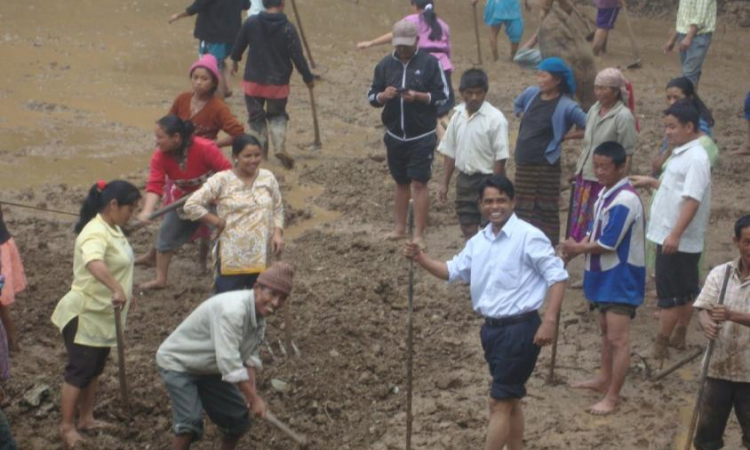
(89, 299)
(251, 214)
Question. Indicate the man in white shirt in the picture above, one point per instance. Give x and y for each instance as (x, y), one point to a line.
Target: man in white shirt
(256, 7)
(475, 143)
(512, 268)
(209, 362)
(679, 218)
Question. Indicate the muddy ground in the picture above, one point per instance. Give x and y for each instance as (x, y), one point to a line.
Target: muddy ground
(83, 82)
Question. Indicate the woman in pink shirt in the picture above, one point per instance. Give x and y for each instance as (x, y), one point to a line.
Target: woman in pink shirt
(434, 38)
(188, 161)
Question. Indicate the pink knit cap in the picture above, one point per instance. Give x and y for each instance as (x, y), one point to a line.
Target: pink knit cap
(208, 62)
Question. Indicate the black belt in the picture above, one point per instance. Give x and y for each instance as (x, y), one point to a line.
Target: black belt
(510, 320)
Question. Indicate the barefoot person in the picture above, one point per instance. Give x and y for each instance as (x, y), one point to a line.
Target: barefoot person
(410, 86)
(512, 268)
(435, 39)
(216, 26)
(187, 161)
(273, 46)
(209, 362)
(678, 223)
(728, 325)
(476, 143)
(606, 16)
(614, 280)
(102, 281)
(499, 13)
(249, 216)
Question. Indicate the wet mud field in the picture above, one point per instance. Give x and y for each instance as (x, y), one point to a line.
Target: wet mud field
(82, 84)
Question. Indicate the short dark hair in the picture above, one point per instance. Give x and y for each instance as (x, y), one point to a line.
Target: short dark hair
(614, 151)
(474, 78)
(741, 224)
(685, 112)
(272, 3)
(242, 141)
(499, 182)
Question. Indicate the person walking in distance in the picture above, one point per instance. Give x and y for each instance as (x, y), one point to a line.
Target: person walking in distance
(409, 85)
(273, 47)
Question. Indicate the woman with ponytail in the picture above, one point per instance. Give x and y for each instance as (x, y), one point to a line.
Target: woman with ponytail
(434, 38)
(188, 162)
(102, 280)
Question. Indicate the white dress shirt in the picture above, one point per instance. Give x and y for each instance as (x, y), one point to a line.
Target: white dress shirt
(510, 272)
(476, 142)
(688, 175)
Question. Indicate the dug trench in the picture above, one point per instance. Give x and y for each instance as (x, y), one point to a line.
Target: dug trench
(346, 391)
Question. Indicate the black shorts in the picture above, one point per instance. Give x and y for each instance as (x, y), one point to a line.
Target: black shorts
(622, 309)
(511, 355)
(677, 278)
(410, 160)
(84, 363)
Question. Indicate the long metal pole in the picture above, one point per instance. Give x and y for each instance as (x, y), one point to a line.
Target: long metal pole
(410, 337)
(302, 34)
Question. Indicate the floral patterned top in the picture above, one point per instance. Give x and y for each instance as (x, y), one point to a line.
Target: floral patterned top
(251, 214)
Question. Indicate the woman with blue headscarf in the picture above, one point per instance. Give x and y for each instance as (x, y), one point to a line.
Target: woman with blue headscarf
(549, 112)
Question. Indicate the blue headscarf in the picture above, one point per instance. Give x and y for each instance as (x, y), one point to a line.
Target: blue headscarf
(557, 67)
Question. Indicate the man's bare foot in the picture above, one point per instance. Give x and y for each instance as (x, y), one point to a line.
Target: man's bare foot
(595, 384)
(604, 407)
(394, 236)
(148, 260)
(94, 425)
(70, 437)
(153, 285)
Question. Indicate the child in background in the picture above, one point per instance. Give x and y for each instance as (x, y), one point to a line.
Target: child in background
(504, 12)
(15, 281)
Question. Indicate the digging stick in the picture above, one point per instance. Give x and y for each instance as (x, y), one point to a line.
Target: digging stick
(410, 335)
(677, 365)
(631, 36)
(476, 32)
(553, 359)
(36, 208)
(704, 369)
(298, 438)
(121, 360)
(302, 34)
(316, 144)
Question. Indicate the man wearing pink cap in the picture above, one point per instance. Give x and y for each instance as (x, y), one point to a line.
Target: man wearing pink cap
(209, 362)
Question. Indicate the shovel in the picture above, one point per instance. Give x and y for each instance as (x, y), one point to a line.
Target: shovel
(636, 53)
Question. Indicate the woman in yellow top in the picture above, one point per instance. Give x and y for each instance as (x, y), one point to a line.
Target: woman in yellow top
(249, 216)
(102, 280)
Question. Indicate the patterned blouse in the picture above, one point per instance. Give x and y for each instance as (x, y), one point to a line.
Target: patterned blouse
(252, 213)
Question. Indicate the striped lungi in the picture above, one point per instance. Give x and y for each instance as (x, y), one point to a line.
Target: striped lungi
(538, 198)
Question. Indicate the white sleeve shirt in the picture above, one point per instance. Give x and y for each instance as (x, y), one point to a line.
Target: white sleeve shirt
(688, 175)
(476, 142)
(510, 272)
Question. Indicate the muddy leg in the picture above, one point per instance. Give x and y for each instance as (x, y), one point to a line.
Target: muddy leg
(742, 411)
(69, 404)
(400, 209)
(494, 32)
(148, 259)
(10, 328)
(162, 269)
(499, 428)
(618, 341)
(181, 441)
(600, 40)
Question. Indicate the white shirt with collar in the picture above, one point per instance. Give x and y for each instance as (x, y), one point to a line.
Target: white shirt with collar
(221, 336)
(476, 142)
(510, 272)
(688, 175)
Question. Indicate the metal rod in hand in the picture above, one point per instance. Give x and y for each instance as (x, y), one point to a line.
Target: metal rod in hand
(662, 374)
(36, 208)
(410, 335)
(296, 437)
(476, 32)
(121, 360)
(317, 144)
(158, 213)
(302, 34)
(631, 37)
(553, 359)
(704, 369)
